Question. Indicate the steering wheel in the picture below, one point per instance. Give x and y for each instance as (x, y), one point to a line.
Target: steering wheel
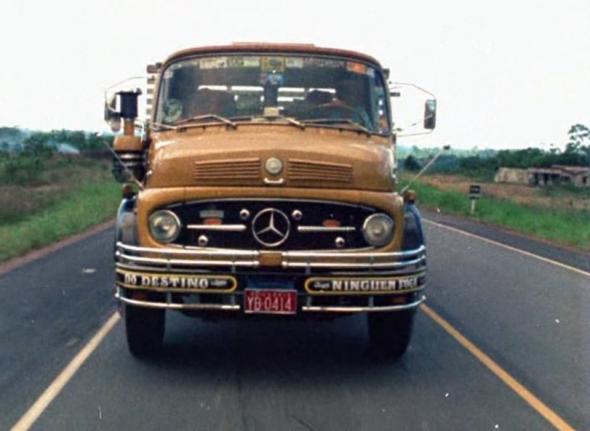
(329, 110)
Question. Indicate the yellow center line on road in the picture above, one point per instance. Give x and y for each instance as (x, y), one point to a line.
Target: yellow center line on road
(53, 390)
(539, 406)
(508, 247)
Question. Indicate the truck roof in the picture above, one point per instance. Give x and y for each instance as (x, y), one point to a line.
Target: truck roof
(300, 48)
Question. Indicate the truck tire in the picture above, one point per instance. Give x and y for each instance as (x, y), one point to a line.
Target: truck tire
(144, 328)
(390, 333)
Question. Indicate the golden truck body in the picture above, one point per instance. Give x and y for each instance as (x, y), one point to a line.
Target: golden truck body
(267, 187)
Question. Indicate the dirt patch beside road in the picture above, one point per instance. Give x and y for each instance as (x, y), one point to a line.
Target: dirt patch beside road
(520, 193)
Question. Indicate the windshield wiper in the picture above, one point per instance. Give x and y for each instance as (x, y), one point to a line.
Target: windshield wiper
(356, 126)
(200, 118)
(292, 121)
(160, 126)
(289, 120)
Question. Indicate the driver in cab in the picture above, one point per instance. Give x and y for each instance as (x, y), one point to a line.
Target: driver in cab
(348, 104)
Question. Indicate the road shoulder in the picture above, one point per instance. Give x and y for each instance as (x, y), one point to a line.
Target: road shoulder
(16, 262)
(577, 259)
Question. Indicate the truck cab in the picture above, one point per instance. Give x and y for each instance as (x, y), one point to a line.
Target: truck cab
(265, 186)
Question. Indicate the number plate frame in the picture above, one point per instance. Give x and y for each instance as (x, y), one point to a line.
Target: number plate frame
(270, 301)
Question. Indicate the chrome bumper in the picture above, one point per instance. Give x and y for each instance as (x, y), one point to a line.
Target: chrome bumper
(309, 307)
(186, 258)
(311, 265)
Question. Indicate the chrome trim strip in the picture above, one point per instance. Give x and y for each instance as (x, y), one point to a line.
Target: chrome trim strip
(237, 307)
(131, 156)
(377, 273)
(218, 227)
(274, 182)
(185, 262)
(129, 164)
(245, 258)
(368, 255)
(356, 309)
(325, 228)
(183, 252)
(176, 306)
(135, 267)
(353, 264)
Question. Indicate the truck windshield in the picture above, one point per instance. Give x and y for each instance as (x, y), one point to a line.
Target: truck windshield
(305, 88)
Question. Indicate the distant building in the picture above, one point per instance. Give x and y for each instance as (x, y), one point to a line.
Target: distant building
(512, 175)
(579, 176)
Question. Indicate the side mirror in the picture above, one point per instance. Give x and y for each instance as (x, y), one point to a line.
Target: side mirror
(128, 101)
(430, 114)
(111, 115)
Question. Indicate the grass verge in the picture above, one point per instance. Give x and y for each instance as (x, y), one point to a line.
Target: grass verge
(87, 200)
(563, 226)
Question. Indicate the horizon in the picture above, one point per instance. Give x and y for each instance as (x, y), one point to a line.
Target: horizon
(404, 148)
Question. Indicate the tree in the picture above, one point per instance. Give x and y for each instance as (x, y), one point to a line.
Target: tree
(576, 153)
(578, 134)
(411, 164)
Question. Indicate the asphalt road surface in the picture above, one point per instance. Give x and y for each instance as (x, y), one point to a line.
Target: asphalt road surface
(525, 313)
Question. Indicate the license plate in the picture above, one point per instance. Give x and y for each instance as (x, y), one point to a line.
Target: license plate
(268, 301)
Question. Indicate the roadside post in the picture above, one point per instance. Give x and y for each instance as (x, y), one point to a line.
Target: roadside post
(474, 195)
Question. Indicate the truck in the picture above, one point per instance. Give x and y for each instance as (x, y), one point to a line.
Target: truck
(263, 185)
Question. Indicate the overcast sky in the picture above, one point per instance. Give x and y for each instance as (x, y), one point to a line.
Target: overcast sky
(507, 74)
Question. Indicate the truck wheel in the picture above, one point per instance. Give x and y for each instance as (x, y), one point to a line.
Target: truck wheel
(144, 328)
(390, 333)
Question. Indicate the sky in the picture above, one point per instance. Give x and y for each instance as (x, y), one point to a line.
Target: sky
(507, 74)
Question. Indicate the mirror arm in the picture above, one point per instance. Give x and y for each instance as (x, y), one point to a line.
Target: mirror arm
(409, 84)
(425, 168)
(403, 135)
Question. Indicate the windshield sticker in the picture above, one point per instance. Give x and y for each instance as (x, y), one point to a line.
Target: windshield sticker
(243, 62)
(294, 62)
(251, 61)
(331, 63)
(323, 62)
(273, 64)
(169, 73)
(214, 63)
(356, 67)
(172, 110)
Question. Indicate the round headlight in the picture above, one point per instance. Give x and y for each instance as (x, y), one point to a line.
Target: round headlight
(378, 229)
(164, 226)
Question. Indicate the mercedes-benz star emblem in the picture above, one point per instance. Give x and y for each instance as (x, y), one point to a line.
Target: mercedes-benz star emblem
(271, 227)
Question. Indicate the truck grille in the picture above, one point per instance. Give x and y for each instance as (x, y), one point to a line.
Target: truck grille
(248, 171)
(271, 224)
(311, 171)
(227, 170)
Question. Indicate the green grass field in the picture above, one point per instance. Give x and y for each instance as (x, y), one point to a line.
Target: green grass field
(70, 196)
(563, 226)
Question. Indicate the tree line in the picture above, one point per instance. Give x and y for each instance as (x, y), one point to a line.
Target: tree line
(24, 154)
(14, 139)
(486, 162)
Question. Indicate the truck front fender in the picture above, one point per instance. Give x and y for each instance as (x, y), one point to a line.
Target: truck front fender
(413, 233)
(126, 226)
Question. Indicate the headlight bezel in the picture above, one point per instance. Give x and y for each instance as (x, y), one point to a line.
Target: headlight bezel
(164, 213)
(386, 238)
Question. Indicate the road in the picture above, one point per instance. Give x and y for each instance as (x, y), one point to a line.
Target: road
(526, 313)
